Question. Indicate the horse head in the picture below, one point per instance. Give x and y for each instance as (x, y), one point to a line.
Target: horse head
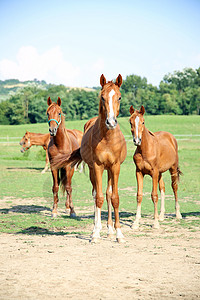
(25, 142)
(137, 124)
(54, 115)
(110, 97)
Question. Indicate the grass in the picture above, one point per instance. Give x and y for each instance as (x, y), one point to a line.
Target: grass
(21, 178)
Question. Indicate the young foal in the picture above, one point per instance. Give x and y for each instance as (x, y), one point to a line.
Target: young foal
(63, 141)
(38, 139)
(103, 147)
(156, 153)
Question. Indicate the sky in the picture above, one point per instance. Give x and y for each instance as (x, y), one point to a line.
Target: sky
(74, 42)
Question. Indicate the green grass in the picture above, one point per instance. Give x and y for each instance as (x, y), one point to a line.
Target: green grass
(21, 178)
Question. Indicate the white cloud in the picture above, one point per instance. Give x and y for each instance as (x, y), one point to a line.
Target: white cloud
(49, 66)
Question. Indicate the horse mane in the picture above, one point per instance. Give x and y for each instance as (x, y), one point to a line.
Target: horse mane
(151, 132)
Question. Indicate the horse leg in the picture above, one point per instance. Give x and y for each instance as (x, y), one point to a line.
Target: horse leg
(115, 169)
(174, 179)
(108, 198)
(154, 196)
(98, 195)
(139, 177)
(69, 204)
(47, 163)
(55, 191)
(162, 192)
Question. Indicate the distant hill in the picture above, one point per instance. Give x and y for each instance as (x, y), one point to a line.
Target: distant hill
(11, 86)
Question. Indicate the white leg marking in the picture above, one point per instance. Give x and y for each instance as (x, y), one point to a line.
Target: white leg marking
(137, 218)
(178, 214)
(162, 207)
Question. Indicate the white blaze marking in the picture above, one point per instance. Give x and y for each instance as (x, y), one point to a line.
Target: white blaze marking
(136, 127)
(111, 114)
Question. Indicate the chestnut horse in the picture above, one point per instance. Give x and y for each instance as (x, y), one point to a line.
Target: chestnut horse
(38, 139)
(155, 154)
(62, 141)
(103, 147)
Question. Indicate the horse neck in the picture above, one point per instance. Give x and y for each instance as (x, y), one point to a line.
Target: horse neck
(146, 140)
(37, 139)
(62, 140)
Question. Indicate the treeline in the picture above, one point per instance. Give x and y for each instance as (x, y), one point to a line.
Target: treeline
(178, 93)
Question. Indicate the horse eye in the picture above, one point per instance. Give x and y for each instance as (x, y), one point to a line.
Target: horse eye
(142, 123)
(47, 114)
(119, 99)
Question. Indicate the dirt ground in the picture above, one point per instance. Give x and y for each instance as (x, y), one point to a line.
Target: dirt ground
(152, 264)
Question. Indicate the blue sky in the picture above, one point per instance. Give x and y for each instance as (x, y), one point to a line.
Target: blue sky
(74, 42)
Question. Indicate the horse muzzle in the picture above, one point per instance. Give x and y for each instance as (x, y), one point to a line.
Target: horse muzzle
(53, 131)
(137, 141)
(111, 123)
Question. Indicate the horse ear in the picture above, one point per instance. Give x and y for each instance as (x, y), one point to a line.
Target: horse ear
(131, 109)
(102, 80)
(59, 101)
(142, 110)
(118, 81)
(49, 102)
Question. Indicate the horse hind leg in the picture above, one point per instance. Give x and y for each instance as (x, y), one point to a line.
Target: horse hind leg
(66, 183)
(162, 192)
(174, 171)
(110, 233)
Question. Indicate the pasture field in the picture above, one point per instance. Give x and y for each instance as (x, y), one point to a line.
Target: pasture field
(26, 226)
(21, 173)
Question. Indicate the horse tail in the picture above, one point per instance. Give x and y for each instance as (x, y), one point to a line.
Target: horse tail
(62, 160)
(63, 179)
(179, 173)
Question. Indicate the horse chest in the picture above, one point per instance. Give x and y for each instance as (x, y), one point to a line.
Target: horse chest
(143, 165)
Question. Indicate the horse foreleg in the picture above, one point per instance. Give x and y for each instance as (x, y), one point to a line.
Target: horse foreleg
(108, 198)
(162, 193)
(139, 177)
(115, 169)
(69, 204)
(55, 192)
(98, 197)
(154, 196)
(47, 163)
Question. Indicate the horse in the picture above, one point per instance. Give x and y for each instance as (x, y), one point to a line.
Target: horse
(103, 147)
(38, 139)
(63, 141)
(155, 154)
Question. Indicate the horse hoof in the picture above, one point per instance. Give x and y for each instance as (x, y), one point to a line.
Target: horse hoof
(111, 236)
(72, 215)
(179, 216)
(161, 218)
(156, 226)
(54, 215)
(120, 240)
(94, 240)
(43, 171)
